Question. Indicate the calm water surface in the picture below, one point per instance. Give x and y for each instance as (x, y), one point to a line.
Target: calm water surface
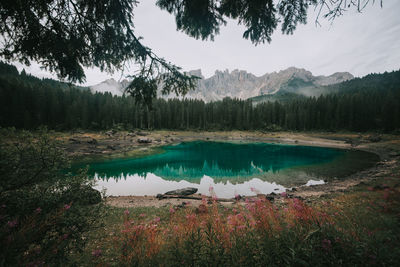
(225, 169)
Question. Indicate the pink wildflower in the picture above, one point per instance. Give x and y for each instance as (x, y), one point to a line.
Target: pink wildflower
(255, 190)
(126, 212)
(142, 215)
(297, 204)
(326, 244)
(12, 223)
(38, 210)
(67, 207)
(283, 194)
(96, 253)
(157, 219)
(171, 210)
(386, 194)
(190, 216)
(251, 208)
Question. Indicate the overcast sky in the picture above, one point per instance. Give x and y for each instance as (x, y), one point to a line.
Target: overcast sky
(357, 43)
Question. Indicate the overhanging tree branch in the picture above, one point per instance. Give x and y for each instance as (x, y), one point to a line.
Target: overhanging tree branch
(66, 36)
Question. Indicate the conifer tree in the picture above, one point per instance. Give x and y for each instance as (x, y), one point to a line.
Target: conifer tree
(65, 36)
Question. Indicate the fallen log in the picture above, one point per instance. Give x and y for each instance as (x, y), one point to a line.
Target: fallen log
(182, 192)
(161, 196)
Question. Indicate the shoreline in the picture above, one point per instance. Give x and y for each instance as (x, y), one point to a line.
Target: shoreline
(82, 147)
(309, 194)
(92, 145)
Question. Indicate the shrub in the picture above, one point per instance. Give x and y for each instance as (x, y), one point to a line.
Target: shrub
(44, 211)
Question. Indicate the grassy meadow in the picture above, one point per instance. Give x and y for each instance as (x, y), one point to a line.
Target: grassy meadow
(358, 228)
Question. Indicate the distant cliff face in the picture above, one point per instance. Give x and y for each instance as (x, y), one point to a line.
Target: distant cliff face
(273, 82)
(244, 85)
(112, 86)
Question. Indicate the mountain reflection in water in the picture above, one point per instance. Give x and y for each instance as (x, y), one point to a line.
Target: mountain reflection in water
(193, 160)
(226, 164)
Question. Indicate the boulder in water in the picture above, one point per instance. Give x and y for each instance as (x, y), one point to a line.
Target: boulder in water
(183, 192)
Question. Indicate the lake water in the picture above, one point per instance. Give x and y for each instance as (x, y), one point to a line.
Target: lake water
(225, 169)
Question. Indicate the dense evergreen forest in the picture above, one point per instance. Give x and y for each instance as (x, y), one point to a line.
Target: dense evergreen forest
(362, 104)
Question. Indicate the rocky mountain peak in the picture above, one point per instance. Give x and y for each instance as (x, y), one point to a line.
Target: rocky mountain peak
(196, 73)
(110, 85)
(242, 84)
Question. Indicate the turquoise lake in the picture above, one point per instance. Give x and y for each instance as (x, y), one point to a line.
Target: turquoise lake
(226, 169)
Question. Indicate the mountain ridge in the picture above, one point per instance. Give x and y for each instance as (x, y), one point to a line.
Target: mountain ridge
(244, 85)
